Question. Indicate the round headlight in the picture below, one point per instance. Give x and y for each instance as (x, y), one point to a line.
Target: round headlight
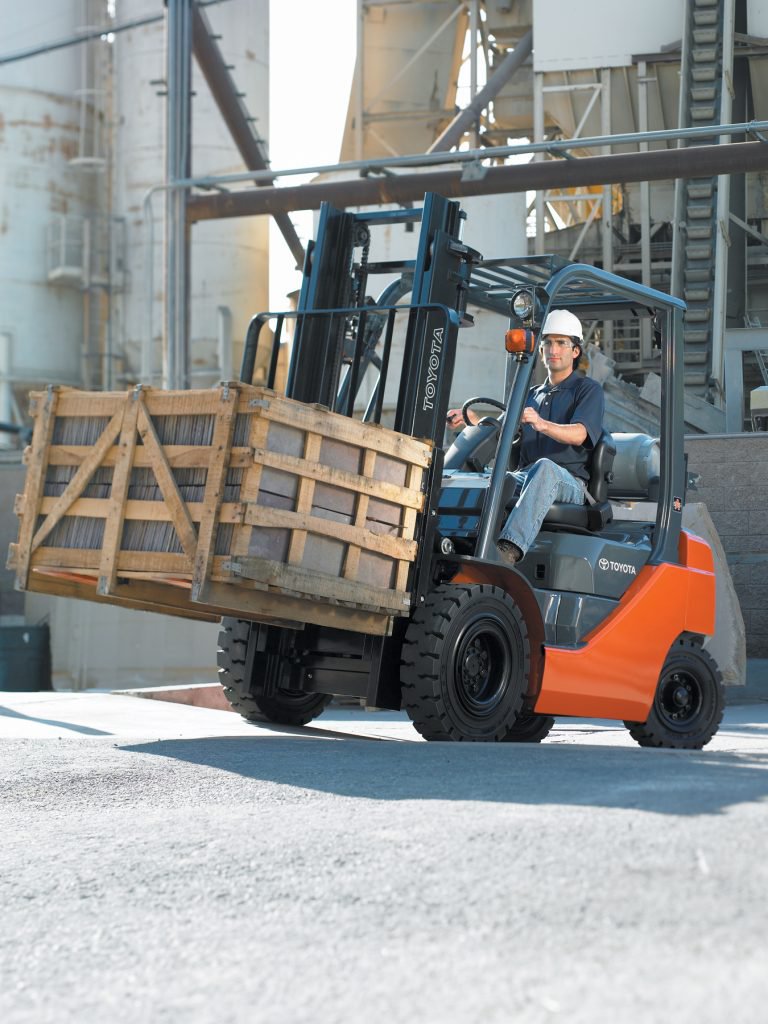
(522, 305)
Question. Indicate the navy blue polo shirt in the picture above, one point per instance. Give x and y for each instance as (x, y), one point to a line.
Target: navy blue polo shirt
(577, 399)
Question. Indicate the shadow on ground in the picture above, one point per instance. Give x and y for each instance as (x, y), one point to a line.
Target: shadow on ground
(660, 781)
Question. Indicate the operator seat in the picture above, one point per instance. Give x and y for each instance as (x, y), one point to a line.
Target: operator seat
(589, 517)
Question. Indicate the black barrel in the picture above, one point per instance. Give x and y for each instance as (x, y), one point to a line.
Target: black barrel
(25, 658)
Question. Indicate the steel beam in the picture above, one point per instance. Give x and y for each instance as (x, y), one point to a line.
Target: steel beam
(225, 94)
(501, 75)
(656, 165)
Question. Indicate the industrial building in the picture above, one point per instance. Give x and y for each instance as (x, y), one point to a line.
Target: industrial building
(136, 188)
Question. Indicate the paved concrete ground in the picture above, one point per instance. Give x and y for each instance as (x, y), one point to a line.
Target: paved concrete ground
(170, 863)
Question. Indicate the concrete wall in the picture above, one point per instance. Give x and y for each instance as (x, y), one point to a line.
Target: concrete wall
(734, 486)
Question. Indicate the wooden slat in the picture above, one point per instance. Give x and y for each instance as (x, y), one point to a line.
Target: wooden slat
(317, 585)
(43, 404)
(357, 482)
(395, 547)
(249, 489)
(88, 560)
(85, 590)
(121, 476)
(304, 499)
(352, 559)
(409, 517)
(341, 428)
(214, 488)
(149, 511)
(178, 456)
(60, 506)
(180, 517)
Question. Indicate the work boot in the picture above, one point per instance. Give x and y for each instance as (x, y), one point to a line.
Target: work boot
(510, 553)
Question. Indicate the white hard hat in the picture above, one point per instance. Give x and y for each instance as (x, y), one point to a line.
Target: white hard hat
(562, 321)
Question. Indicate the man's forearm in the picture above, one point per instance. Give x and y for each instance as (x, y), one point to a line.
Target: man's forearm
(565, 433)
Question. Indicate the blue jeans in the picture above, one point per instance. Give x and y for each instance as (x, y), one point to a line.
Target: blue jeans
(538, 486)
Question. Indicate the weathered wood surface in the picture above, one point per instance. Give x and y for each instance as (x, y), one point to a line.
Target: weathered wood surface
(276, 510)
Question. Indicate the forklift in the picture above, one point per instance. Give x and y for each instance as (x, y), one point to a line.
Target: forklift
(606, 615)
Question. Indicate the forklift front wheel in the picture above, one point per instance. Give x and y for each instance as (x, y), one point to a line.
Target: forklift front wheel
(688, 706)
(530, 728)
(465, 664)
(282, 706)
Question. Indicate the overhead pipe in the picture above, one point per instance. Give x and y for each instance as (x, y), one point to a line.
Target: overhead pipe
(655, 165)
(466, 117)
(224, 92)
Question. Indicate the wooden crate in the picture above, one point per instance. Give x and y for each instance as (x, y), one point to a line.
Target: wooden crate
(232, 501)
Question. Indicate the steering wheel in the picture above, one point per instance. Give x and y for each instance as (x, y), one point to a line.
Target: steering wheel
(486, 420)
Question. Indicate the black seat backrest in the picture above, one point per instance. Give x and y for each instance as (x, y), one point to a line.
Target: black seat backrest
(589, 517)
(601, 466)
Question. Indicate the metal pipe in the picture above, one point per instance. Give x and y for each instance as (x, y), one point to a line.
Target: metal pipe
(722, 236)
(224, 314)
(538, 156)
(464, 119)
(359, 82)
(474, 155)
(645, 206)
(657, 165)
(177, 160)
(86, 36)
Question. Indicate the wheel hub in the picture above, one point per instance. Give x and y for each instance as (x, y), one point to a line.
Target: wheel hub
(482, 667)
(679, 699)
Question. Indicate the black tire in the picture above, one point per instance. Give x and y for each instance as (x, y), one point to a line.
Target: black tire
(530, 728)
(688, 705)
(465, 664)
(283, 706)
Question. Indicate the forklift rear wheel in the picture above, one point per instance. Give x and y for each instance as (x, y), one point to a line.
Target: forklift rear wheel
(465, 664)
(282, 706)
(689, 702)
(530, 728)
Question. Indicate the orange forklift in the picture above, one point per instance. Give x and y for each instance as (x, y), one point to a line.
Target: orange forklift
(605, 616)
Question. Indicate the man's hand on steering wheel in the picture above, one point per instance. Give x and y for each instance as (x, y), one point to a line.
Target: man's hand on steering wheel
(457, 419)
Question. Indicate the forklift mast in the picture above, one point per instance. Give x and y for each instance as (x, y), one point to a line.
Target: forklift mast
(335, 282)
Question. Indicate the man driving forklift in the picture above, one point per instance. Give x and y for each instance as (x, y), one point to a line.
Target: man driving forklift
(560, 424)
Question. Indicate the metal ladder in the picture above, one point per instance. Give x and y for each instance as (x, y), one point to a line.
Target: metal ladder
(696, 199)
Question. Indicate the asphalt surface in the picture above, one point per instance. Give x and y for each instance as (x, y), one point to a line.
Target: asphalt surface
(165, 863)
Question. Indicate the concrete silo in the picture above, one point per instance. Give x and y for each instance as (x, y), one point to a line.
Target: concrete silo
(45, 203)
(229, 272)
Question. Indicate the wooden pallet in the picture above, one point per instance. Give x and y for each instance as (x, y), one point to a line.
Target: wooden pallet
(321, 530)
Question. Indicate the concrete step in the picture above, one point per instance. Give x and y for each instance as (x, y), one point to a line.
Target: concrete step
(700, 189)
(698, 252)
(699, 211)
(695, 275)
(704, 36)
(703, 113)
(695, 338)
(693, 358)
(698, 315)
